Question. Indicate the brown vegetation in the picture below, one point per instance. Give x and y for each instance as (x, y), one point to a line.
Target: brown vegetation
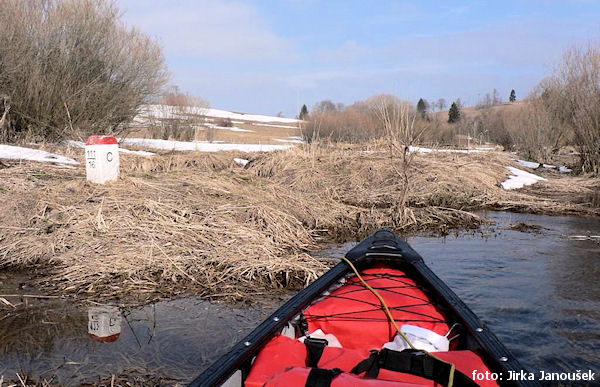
(562, 111)
(572, 97)
(181, 118)
(71, 67)
(200, 223)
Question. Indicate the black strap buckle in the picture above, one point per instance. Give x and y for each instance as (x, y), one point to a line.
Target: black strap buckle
(315, 348)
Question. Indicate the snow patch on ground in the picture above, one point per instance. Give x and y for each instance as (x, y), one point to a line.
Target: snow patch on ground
(520, 178)
(81, 144)
(528, 164)
(419, 149)
(289, 140)
(241, 162)
(19, 153)
(136, 152)
(563, 169)
(201, 146)
(534, 165)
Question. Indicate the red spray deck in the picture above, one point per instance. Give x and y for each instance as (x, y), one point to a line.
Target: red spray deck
(355, 316)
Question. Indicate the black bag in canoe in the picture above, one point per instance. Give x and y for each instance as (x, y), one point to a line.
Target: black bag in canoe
(380, 317)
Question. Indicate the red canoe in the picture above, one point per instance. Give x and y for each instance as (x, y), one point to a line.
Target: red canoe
(378, 318)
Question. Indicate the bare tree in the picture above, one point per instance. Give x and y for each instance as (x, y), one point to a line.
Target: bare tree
(398, 119)
(441, 104)
(496, 99)
(325, 106)
(572, 95)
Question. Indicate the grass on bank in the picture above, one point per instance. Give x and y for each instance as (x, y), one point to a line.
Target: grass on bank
(204, 225)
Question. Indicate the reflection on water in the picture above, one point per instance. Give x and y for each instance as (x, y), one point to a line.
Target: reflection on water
(539, 292)
(173, 340)
(104, 323)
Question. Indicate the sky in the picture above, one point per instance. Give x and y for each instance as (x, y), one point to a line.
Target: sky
(271, 56)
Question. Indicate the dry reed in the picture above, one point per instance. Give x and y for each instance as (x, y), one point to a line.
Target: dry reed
(199, 223)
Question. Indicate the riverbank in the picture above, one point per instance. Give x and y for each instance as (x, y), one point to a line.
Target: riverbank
(202, 224)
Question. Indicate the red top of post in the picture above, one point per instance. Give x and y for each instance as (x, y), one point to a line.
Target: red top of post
(101, 140)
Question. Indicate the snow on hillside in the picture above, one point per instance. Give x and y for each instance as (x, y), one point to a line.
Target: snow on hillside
(230, 128)
(248, 117)
(149, 112)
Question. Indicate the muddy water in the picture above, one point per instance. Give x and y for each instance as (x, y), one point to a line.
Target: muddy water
(538, 290)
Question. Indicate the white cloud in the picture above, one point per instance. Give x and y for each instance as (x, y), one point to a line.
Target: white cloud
(208, 29)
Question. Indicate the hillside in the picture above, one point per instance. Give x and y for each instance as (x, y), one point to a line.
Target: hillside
(215, 125)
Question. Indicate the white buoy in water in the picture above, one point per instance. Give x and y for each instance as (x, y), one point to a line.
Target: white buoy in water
(104, 323)
(102, 159)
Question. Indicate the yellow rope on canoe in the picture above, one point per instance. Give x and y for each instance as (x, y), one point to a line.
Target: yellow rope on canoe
(391, 318)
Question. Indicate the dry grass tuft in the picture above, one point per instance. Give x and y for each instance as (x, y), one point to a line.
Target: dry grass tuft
(178, 223)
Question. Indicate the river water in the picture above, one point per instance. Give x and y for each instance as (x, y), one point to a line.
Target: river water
(538, 289)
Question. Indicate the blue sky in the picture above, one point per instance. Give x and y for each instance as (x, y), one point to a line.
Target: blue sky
(267, 56)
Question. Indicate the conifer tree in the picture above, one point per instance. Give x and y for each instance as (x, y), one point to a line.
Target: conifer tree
(513, 96)
(303, 112)
(453, 113)
(422, 107)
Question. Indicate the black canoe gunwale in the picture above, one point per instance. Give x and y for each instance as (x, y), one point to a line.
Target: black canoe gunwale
(383, 246)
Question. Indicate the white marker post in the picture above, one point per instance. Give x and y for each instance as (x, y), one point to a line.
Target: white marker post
(101, 159)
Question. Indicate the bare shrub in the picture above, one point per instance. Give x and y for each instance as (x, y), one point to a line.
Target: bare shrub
(174, 97)
(73, 65)
(210, 134)
(398, 118)
(224, 122)
(572, 96)
(356, 123)
(435, 132)
(180, 116)
(536, 133)
(502, 129)
(326, 106)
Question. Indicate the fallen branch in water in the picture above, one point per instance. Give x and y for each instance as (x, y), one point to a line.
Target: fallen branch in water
(29, 296)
